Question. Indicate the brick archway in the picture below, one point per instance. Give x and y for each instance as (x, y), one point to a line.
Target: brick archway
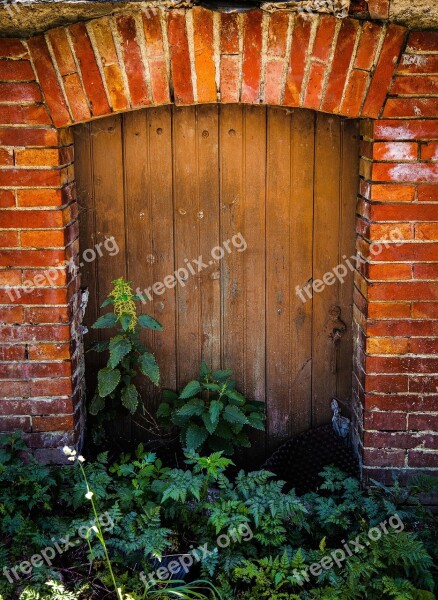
(138, 59)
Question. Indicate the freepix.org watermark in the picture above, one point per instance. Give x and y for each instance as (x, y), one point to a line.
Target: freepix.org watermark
(340, 272)
(193, 267)
(61, 545)
(184, 562)
(49, 276)
(338, 556)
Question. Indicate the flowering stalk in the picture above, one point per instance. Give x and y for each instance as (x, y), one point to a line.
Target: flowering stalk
(96, 528)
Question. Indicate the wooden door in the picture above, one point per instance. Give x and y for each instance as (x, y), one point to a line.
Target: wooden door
(170, 184)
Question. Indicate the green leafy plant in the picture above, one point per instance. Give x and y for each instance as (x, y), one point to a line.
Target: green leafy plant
(211, 412)
(150, 513)
(127, 355)
(179, 589)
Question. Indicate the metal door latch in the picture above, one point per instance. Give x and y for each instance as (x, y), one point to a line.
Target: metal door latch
(336, 329)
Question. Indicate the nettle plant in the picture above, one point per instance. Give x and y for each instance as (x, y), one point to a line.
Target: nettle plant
(127, 355)
(211, 412)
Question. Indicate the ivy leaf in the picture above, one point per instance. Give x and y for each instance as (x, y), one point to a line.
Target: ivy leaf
(148, 366)
(108, 380)
(130, 398)
(105, 321)
(195, 436)
(216, 407)
(192, 408)
(232, 414)
(119, 347)
(191, 389)
(97, 404)
(149, 323)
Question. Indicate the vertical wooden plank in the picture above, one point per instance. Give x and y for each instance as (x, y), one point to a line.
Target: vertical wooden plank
(109, 199)
(347, 238)
(243, 174)
(253, 261)
(301, 260)
(232, 145)
(208, 224)
(84, 166)
(278, 267)
(147, 142)
(186, 218)
(110, 219)
(325, 259)
(87, 215)
(289, 214)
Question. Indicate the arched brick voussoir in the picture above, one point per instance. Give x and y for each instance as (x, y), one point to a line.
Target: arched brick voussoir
(136, 59)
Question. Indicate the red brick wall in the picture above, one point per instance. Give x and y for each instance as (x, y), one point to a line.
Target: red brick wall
(396, 374)
(357, 69)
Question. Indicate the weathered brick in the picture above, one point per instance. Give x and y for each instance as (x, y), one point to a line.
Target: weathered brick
(394, 130)
(180, 58)
(229, 30)
(22, 92)
(422, 41)
(410, 107)
(379, 9)
(418, 64)
(133, 61)
(385, 421)
(355, 93)
(49, 81)
(14, 114)
(313, 93)
(61, 50)
(429, 151)
(409, 172)
(395, 151)
(277, 33)
(368, 44)
(273, 82)
(16, 70)
(423, 459)
(340, 66)
(204, 55)
(12, 48)
(52, 423)
(381, 80)
(76, 97)
(251, 65)
(297, 60)
(91, 77)
(28, 137)
(229, 88)
(414, 86)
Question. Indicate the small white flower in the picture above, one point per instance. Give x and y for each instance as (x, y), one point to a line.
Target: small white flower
(73, 452)
(95, 529)
(81, 459)
(72, 458)
(89, 495)
(67, 451)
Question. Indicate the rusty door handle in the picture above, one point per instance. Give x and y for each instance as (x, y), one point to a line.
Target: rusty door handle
(336, 329)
